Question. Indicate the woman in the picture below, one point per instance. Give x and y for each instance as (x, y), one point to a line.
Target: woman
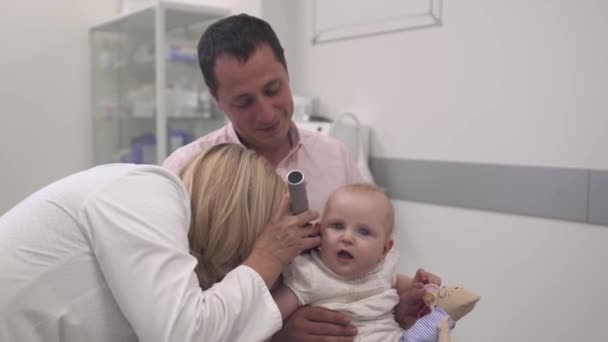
(120, 253)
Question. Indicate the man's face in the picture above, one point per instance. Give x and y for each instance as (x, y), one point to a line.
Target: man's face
(354, 237)
(256, 97)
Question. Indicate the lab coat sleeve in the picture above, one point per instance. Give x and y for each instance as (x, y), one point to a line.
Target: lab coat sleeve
(138, 228)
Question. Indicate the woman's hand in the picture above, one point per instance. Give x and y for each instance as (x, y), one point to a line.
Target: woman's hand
(285, 237)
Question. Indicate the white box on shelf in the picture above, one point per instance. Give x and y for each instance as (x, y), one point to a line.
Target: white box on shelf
(304, 107)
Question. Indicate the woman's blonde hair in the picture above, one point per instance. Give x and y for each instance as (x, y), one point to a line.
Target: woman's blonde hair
(233, 195)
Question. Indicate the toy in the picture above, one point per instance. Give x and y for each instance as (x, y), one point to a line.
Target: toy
(449, 304)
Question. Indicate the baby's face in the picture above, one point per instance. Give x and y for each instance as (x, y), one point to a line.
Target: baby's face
(354, 237)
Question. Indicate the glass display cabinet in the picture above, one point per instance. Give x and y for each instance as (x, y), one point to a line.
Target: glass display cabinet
(148, 94)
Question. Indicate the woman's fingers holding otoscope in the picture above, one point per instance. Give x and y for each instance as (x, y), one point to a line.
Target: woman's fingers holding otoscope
(310, 236)
(305, 217)
(285, 210)
(310, 242)
(310, 230)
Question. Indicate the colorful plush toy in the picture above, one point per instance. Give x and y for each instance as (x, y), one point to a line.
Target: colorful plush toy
(449, 304)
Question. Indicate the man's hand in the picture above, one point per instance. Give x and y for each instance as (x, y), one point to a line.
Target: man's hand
(425, 277)
(411, 304)
(308, 324)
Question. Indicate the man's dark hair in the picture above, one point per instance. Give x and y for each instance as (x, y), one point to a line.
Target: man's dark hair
(237, 36)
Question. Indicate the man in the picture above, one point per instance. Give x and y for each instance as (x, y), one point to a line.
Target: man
(244, 67)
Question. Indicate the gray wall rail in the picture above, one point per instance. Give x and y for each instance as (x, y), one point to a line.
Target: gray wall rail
(558, 193)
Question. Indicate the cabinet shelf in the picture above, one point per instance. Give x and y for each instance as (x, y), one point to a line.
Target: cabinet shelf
(176, 16)
(153, 117)
(146, 84)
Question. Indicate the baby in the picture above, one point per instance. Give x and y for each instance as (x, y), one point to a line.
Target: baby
(354, 270)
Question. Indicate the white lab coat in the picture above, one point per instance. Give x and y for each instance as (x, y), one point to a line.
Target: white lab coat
(103, 256)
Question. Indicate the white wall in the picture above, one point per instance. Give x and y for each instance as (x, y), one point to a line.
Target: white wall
(44, 91)
(515, 82)
(507, 82)
(45, 126)
(288, 29)
(540, 280)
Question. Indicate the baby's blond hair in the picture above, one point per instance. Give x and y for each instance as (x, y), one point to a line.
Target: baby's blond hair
(369, 189)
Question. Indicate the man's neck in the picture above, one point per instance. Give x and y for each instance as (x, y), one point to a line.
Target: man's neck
(275, 155)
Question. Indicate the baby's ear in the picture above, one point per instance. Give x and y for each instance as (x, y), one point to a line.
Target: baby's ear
(387, 247)
(318, 226)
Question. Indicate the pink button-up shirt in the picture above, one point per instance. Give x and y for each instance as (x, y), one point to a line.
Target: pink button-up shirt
(325, 161)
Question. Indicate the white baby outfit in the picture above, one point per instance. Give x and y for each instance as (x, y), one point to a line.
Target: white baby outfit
(368, 300)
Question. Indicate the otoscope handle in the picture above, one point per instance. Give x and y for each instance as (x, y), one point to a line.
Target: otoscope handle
(297, 191)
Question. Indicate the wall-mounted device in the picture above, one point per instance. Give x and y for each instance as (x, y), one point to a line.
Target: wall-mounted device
(352, 133)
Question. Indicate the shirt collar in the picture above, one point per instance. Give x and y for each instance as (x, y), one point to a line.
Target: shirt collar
(294, 138)
(293, 134)
(232, 136)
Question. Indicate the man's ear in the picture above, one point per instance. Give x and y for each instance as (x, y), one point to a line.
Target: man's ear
(387, 247)
(218, 104)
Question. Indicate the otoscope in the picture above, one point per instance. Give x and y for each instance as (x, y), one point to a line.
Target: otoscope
(297, 191)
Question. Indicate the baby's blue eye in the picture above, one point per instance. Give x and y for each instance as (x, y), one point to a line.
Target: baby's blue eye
(337, 226)
(364, 231)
